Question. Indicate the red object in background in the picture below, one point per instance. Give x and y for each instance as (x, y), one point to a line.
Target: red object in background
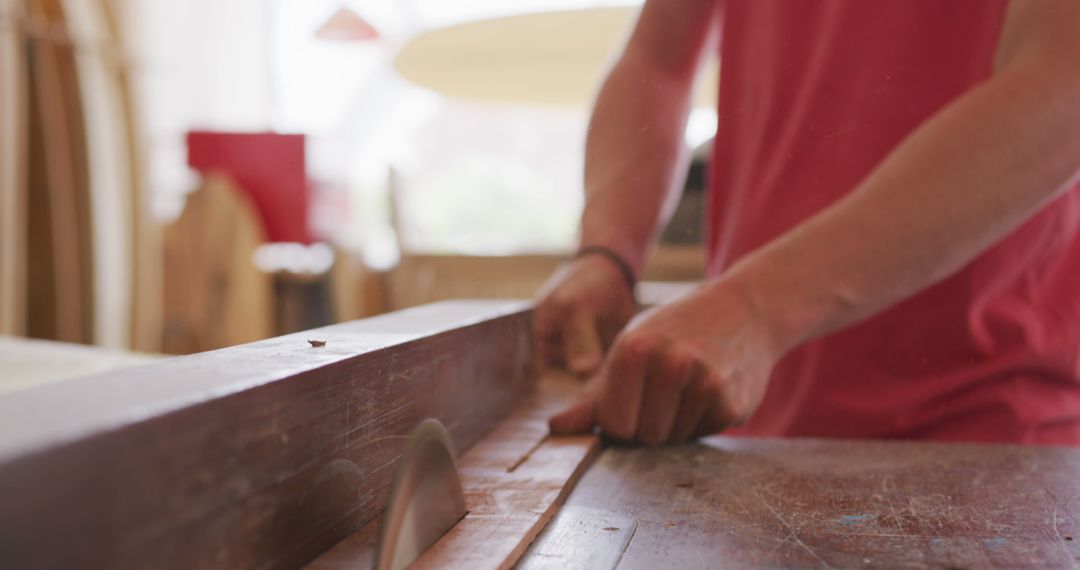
(345, 25)
(270, 167)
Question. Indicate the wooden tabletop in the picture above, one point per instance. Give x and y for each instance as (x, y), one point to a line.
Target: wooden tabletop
(746, 502)
(25, 363)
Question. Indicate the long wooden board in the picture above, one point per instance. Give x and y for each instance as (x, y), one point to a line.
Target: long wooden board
(515, 479)
(257, 456)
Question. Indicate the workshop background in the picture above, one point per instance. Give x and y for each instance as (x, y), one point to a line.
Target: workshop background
(182, 176)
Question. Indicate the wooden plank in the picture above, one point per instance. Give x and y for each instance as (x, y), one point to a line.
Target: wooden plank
(146, 247)
(56, 280)
(214, 295)
(13, 143)
(110, 232)
(61, 43)
(515, 478)
(257, 456)
(751, 503)
(580, 539)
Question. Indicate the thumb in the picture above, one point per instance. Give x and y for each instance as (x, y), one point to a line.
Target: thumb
(579, 418)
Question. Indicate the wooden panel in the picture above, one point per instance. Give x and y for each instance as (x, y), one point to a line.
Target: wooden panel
(13, 141)
(214, 295)
(515, 478)
(749, 503)
(108, 182)
(74, 114)
(146, 280)
(56, 264)
(256, 456)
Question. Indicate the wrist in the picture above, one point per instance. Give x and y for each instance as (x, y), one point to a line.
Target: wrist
(612, 258)
(632, 251)
(793, 306)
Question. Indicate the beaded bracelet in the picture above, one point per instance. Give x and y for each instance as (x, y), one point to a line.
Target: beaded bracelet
(614, 257)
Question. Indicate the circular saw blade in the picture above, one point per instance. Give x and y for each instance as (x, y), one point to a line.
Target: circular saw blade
(425, 501)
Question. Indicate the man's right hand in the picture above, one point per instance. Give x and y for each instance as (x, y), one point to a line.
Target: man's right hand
(581, 310)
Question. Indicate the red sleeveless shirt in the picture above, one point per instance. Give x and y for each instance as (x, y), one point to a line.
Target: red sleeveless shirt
(813, 95)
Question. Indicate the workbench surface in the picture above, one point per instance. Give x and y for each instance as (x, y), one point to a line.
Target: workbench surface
(748, 502)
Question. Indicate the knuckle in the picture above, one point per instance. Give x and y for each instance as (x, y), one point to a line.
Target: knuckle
(559, 301)
(682, 362)
(732, 407)
(638, 346)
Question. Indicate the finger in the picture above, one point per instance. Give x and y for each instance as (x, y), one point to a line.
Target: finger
(718, 416)
(581, 343)
(621, 384)
(664, 388)
(691, 410)
(579, 418)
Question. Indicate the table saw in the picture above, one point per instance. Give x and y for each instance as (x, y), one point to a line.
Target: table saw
(281, 454)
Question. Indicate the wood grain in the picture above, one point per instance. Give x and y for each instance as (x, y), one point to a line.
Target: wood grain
(56, 271)
(515, 479)
(257, 456)
(751, 503)
(581, 539)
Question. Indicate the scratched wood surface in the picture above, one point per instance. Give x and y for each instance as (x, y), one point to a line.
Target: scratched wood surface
(514, 480)
(750, 503)
(257, 456)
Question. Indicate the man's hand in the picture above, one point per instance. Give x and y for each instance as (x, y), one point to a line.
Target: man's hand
(678, 371)
(581, 309)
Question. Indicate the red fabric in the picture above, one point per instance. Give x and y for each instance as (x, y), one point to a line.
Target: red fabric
(269, 167)
(813, 95)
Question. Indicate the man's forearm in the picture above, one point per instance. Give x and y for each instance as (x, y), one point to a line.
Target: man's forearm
(635, 153)
(962, 181)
